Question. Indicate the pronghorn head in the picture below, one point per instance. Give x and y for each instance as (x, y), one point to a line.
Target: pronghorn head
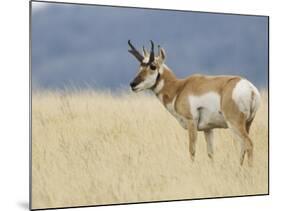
(150, 67)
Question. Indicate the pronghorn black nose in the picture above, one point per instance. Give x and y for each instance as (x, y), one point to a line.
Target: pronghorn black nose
(133, 84)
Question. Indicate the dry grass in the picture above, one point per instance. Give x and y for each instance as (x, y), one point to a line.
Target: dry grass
(91, 148)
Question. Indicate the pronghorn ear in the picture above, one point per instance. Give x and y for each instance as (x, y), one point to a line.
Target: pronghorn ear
(162, 54)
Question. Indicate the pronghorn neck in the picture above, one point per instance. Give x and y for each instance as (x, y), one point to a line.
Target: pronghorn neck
(166, 86)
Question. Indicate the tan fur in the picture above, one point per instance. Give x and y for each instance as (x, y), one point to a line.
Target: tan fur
(193, 85)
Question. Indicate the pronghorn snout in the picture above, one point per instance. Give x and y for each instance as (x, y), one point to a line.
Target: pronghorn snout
(136, 82)
(133, 84)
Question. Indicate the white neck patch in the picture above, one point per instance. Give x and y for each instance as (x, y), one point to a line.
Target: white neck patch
(159, 86)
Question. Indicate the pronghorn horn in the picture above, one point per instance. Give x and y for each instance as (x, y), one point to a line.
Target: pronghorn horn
(151, 57)
(135, 53)
(159, 50)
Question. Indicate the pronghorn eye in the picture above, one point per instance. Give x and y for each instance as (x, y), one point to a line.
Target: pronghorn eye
(153, 67)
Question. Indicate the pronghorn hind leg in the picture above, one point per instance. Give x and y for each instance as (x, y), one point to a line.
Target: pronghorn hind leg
(192, 131)
(209, 136)
(237, 121)
(248, 125)
(246, 143)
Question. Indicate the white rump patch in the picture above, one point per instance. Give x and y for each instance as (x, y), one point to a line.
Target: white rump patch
(247, 98)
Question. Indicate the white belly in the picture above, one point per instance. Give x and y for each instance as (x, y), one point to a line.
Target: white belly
(206, 110)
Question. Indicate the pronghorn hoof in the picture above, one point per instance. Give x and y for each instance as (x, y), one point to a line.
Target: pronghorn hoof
(241, 162)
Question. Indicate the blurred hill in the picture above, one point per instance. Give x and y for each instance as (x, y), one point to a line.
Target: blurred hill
(87, 45)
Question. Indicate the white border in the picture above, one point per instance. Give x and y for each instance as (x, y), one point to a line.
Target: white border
(15, 104)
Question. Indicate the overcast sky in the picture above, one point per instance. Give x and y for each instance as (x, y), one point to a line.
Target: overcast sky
(83, 46)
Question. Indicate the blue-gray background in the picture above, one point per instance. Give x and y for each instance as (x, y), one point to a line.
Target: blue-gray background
(82, 46)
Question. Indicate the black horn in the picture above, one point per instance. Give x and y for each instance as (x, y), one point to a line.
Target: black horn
(135, 52)
(151, 57)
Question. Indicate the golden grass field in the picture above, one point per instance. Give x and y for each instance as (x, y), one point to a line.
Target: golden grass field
(93, 148)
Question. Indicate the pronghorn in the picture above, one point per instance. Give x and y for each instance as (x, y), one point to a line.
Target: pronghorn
(200, 102)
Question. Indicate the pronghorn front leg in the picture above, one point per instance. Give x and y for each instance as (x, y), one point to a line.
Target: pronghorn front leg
(209, 136)
(192, 131)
